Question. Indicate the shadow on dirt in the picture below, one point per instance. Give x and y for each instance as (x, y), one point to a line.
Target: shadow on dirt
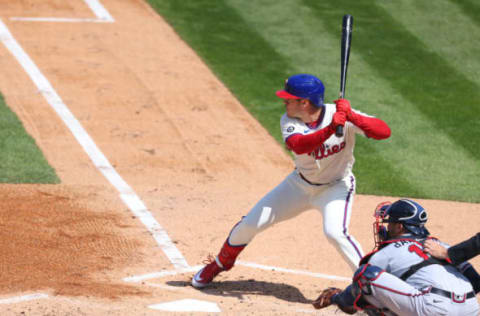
(251, 287)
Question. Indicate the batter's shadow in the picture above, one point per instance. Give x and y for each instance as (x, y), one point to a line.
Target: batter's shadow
(240, 288)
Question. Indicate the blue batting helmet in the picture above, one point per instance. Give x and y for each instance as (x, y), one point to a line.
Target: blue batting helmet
(303, 86)
(411, 214)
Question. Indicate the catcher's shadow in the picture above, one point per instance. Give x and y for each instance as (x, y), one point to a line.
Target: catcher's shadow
(251, 287)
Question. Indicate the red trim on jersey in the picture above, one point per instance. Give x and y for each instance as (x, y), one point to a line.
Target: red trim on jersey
(366, 258)
(304, 144)
(422, 292)
(372, 127)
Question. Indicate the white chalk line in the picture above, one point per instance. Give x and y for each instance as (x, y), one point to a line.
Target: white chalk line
(163, 273)
(292, 271)
(103, 16)
(63, 20)
(23, 298)
(128, 196)
(160, 274)
(188, 291)
(99, 10)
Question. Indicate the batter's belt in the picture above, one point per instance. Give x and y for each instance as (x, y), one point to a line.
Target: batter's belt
(312, 183)
(455, 297)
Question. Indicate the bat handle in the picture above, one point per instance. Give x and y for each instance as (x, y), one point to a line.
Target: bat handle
(339, 131)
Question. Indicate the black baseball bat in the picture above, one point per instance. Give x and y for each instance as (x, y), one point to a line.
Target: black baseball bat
(347, 26)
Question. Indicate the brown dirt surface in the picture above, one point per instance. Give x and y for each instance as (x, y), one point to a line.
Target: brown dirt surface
(187, 148)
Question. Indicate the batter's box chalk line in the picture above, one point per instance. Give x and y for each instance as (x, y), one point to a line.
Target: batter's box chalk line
(23, 298)
(163, 273)
(102, 15)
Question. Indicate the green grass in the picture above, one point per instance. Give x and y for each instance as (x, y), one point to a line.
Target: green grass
(20, 161)
(413, 63)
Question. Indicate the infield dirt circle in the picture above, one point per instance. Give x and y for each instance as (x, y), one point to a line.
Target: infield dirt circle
(189, 151)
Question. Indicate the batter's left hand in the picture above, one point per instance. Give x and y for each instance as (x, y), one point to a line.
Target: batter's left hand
(343, 105)
(339, 118)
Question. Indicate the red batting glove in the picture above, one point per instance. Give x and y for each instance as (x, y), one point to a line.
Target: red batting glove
(343, 105)
(339, 118)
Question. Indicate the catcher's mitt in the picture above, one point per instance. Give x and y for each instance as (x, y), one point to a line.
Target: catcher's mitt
(325, 300)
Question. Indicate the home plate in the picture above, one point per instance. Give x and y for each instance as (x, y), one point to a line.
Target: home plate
(187, 305)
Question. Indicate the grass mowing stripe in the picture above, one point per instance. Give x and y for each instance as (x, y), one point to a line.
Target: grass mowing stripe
(424, 158)
(470, 8)
(379, 175)
(438, 104)
(444, 28)
(236, 53)
(421, 76)
(302, 41)
(21, 161)
(313, 48)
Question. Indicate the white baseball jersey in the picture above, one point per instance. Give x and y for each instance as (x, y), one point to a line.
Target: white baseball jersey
(414, 296)
(334, 159)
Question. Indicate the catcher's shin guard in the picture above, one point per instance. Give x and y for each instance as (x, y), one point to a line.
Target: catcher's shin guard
(223, 262)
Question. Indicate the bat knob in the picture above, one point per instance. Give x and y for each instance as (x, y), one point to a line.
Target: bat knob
(339, 131)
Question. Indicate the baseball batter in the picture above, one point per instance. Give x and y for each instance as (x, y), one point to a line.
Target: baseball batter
(399, 278)
(322, 179)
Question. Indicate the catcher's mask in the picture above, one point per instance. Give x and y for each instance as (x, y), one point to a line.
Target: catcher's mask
(407, 212)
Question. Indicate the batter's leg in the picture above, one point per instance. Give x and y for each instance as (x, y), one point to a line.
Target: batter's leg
(336, 205)
(285, 201)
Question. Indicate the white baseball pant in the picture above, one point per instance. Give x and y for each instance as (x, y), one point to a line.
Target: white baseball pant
(294, 196)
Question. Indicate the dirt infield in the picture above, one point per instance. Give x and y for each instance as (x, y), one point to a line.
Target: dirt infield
(188, 150)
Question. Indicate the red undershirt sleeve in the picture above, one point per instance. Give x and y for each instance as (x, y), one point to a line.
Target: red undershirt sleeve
(372, 127)
(303, 144)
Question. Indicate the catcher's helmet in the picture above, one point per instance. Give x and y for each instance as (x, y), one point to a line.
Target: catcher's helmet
(411, 214)
(303, 86)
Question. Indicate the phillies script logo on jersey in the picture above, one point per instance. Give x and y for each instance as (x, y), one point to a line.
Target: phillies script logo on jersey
(325, 150)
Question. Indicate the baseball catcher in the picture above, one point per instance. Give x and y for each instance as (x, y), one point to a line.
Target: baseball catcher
(399, 278)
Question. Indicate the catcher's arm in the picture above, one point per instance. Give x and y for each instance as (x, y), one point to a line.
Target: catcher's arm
(343, 299)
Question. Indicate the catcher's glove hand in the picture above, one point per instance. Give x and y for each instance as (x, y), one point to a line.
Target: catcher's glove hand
(325, 300)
